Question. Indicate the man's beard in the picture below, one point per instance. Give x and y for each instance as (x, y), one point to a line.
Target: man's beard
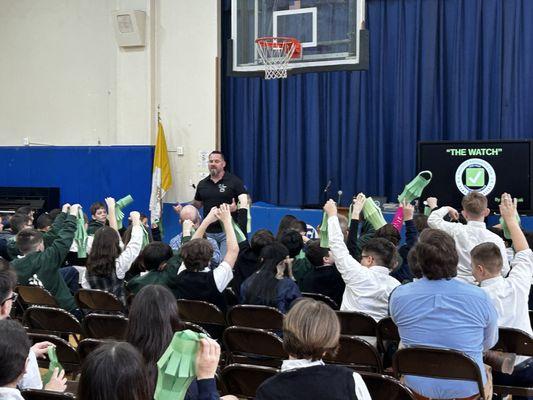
(213, 172)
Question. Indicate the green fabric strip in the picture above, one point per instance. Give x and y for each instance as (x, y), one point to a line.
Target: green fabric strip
(427, 211)
(119, 206)
(241, 237)
(373, 214)
(506, 232)
(54, 363)
(324, 239)
(80, 236)
(176, 367)
(146, 237)
(414, 189)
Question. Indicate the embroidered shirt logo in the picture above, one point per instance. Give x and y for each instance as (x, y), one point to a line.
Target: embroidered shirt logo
(221, 187)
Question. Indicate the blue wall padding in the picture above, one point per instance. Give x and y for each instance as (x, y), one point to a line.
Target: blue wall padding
(84, 174)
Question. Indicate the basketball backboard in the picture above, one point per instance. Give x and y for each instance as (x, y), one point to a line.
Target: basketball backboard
(331, 32)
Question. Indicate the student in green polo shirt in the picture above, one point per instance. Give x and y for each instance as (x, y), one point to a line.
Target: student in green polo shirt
(162, 265)
(38, 264)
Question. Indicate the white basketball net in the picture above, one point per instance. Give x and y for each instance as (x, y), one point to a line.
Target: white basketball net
(275, 54)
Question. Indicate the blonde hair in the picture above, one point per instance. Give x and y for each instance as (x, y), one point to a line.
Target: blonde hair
(474, 203)
(310, 330)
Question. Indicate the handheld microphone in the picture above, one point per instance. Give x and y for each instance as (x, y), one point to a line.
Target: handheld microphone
(339, 195)
(327, 186)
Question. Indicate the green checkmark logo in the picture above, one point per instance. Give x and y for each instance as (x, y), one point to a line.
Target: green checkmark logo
(475, 177)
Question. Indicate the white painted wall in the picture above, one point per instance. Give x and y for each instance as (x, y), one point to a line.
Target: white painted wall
(65, 81)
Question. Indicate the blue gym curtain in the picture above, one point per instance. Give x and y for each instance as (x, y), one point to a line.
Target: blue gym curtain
(439, 70)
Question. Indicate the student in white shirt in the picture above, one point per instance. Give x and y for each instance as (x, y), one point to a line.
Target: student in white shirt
(368, 284)
(508, 295)
(467, 236)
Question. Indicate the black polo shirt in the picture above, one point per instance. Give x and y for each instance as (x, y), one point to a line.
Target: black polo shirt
(213, 194)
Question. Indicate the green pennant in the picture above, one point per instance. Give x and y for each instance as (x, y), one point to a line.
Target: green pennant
(176, 367)
(506, 232)
(373, 214)
(324, 239)
(80, 236)
(119, 206)
(146, 237)
(427, 211)
(414, 189)
(241, 237)
(54, 363)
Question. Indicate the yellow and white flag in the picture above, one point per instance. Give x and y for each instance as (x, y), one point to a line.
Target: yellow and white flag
(161, 177)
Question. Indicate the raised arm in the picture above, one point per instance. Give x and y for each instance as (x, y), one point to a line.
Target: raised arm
(436, 218)
(354, 223)
(351, 271)
(132, 250)
(111, 214)
(231, 240)
(208, 220)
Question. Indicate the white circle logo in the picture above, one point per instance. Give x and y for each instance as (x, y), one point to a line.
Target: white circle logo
(477, 175)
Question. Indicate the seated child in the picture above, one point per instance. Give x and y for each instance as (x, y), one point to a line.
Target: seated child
(195, 280)
(324, 277)
(40, 265)
(107, 264)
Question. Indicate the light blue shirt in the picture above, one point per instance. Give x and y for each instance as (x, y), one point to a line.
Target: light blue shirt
(175, 244)
(445, 314)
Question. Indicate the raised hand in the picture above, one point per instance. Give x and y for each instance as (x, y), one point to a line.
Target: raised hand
(74, 209)
(135, 218)
(65, 208)
(225, 213)
(207, 359)
(431, 202)
(58, 382)
(41, 348)
(110, 202)
(177, 208)
(330, 208)
(408, 210)
(453, 213)
(508, 208)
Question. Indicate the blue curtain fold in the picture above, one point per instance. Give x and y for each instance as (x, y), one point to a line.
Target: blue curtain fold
(439, 70)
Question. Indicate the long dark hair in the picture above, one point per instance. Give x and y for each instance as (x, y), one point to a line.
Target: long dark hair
(263, 284)
(104, 252)
(284, 224)
(114, 371)
(153, 319)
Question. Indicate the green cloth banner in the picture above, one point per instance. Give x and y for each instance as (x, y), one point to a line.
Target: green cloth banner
(54, 363)
(324, 239)
(373, 214)
(506, 232)
(241, 237)
(119, 206)
(413, 190)
(80, 236)
(176, 367)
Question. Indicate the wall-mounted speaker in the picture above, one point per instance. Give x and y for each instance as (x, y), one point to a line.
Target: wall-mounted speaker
(129, 27)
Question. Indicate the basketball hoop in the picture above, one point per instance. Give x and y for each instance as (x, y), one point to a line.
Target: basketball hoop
(275, 53)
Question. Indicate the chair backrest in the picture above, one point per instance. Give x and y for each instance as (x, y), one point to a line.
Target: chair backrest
(322, 297)
(106, 326)
(193, 327)
(66, 353)
(437, 363)
(34, 394)
(242, 380)
(356, 323)
(98, 300)
(252, 316)
(86, 346)
(255, 346)
(356, 353)
(384, 387)
(200, 312)
(44, 319)
(36, 295)
(386, 331)
(514, 341)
